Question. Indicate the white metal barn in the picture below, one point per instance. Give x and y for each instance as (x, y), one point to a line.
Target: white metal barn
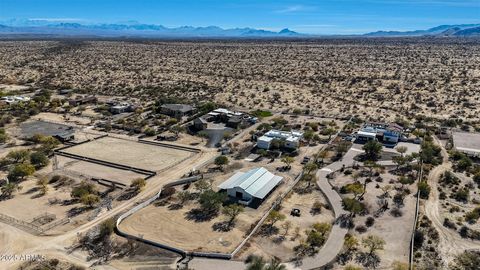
(255, 184)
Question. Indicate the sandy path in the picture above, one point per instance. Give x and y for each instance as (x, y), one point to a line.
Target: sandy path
(450, 241)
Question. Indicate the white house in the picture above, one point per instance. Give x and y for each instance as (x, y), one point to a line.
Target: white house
(291, 138)
(365, 136)
(251, 186)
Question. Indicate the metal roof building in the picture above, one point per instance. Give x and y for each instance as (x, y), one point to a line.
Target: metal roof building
(254, 184)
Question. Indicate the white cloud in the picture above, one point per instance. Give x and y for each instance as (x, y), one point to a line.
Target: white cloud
(56, 19)
(294, 8)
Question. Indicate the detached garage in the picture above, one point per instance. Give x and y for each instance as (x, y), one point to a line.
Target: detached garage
(252, 187)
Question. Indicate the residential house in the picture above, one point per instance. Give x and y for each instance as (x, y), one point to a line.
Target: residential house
(291, 139)
(177, 110)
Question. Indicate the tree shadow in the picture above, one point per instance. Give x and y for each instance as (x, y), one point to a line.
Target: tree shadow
(267, 230)
(75, 211)
(345, 221)
(175, 206)
(127, 195)
(223, 226)
(38, 195)
(199, 215)
(344, 257)
(279, 239)
(368, 260)
(32, 190)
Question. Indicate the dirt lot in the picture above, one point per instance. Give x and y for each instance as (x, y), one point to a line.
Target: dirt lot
(92, 170)
(159, 223)
(270, 246)
(396, 231)
(28, 204)
(130, 153)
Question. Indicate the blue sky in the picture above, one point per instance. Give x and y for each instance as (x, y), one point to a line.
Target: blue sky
(307, 16)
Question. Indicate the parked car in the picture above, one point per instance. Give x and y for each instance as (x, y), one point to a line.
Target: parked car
(305, 160)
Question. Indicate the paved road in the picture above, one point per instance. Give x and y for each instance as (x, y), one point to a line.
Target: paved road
(334, 243)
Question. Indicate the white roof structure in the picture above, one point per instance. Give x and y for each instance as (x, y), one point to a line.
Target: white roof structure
(266, 139)
(367, 134)
(284, 135)
(227, 112)
(468, 143)
(257, 182)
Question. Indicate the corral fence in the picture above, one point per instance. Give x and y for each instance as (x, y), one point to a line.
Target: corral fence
(29, 226)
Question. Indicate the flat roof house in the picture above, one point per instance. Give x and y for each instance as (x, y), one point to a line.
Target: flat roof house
(386, 133)
(252, 187)
(80, 100)
(177, 110)
(291, 139)
(121, 108)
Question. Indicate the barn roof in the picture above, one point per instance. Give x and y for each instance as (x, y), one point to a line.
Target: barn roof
(257, 182)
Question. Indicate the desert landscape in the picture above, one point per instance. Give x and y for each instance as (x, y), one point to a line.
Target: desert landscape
(335, 153)
(389, 77)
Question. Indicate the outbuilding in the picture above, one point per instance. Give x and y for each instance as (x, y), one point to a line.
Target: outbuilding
(252, 187)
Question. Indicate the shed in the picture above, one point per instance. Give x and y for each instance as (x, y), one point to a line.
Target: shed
(200, 123)
(254, 185)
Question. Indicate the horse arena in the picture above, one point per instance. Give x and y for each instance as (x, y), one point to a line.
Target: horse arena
(120, 160)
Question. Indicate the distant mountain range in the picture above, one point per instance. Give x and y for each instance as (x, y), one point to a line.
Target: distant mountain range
(133, 29)
(442, 30)
(141, 30)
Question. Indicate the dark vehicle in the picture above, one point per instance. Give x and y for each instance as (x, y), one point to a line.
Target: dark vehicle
(295, 212)
(305, 160)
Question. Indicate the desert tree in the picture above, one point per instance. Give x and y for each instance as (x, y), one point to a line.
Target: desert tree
(9, 188)
(20, 171)
(211, 201)
(402, 150)
(232, 211)
(138, 184)
(288, 161)
(373, 243)
(221, 161)
(372, 149)
(273, 217)
(42, 184)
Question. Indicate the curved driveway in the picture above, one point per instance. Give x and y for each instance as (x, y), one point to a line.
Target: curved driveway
(332, 246)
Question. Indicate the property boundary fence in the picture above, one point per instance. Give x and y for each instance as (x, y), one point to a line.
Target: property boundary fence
(415, 222)
(212, 255)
